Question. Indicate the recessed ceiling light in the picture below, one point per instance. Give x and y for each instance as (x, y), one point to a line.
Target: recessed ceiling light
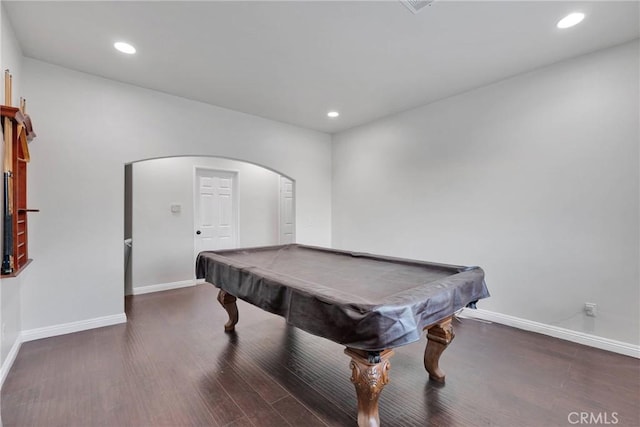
(333, 114)
(570, 20)
(125, 47)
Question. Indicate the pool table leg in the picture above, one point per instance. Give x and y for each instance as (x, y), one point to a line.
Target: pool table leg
(228, 302)
(439, 336)
(369, 374)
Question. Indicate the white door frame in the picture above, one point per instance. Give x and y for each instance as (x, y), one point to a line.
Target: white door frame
(235, 177)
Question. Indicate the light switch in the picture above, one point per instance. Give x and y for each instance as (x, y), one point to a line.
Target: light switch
(176, 208)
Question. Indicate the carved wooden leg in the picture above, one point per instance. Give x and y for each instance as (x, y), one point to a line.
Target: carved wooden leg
(439, 336)
(228, 302)
(369, 374)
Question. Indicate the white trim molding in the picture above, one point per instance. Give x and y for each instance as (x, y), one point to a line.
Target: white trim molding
(52, 331)
(68, 328)
(163, 287)
(8, 362)
(554, 331)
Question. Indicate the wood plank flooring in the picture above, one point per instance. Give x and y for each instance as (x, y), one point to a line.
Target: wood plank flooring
(173, 365)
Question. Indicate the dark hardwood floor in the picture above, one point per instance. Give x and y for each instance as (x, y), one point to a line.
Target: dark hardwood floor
(173, 365)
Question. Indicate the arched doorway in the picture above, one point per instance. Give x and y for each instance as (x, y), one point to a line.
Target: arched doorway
(164, 209)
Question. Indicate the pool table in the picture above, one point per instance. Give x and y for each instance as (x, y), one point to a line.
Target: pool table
(369, 303)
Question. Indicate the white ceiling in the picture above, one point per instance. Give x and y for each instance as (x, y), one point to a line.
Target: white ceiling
(294, 61)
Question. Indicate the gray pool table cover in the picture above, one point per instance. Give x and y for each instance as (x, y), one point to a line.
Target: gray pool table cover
(363, 301)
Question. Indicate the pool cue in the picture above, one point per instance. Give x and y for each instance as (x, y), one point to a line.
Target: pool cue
(7, 255)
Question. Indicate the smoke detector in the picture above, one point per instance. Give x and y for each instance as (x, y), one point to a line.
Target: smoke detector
(416, 6)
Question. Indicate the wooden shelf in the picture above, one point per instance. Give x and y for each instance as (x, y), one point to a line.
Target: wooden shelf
(18, 271)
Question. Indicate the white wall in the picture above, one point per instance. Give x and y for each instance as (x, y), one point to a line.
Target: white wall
(10, 58)
(534, 178)
(163, 242)
(88, 128)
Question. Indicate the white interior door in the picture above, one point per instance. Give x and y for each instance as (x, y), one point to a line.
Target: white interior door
(287, 214)
(216, 210)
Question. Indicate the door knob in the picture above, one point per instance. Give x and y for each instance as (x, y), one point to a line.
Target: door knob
(198, 232)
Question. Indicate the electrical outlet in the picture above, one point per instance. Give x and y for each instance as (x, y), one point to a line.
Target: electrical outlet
(590, 309)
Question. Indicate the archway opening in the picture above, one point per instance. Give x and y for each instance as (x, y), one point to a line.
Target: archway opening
(176, 206)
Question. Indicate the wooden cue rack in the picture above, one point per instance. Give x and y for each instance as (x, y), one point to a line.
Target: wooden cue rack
(17, 131)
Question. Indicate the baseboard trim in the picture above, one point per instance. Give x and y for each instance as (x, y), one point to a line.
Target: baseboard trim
(68, 328)
(555, 331)
(163, 287)
(11, 357)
